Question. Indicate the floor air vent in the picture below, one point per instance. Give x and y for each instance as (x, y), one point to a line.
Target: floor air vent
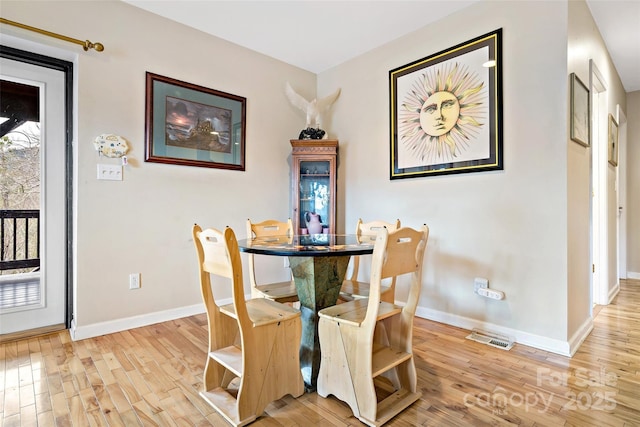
(494, 340)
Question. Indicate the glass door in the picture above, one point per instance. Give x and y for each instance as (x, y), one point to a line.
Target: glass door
(32, 197)
(315, 195)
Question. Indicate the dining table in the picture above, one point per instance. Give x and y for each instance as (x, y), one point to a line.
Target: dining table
(318, 265)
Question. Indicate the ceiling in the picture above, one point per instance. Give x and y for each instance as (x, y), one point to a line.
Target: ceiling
(318, 35)
(619, 25)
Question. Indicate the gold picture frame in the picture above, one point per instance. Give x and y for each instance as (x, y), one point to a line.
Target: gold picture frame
(580, 112)
(613, 141)
(446, 111)
(192, 125)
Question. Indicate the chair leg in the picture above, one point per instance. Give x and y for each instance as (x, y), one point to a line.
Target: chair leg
(282, 374)
(275, 371)
(341, 370)
(406, 375)
(364, 383)
(211, 375)
(335, 375)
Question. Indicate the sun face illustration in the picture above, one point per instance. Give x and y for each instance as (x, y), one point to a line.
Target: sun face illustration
(442, 113)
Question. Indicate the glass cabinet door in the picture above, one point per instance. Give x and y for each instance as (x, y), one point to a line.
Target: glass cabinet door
(315, 193)
(313, 185)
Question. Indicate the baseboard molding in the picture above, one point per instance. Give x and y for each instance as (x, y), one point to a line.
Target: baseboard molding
(118, 325)
(563, 348)
(613, 292)
(580, 335)
(633, 275)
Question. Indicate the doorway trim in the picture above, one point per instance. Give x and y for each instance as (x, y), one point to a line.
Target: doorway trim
(621, 118)
(598, 87)
(66, 68)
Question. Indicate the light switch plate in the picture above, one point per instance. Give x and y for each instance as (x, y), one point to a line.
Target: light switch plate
(110, 172)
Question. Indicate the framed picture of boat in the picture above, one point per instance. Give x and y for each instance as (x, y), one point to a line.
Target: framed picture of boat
(191, 125)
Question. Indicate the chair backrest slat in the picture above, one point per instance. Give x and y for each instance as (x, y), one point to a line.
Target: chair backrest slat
(269, 227)
(215, 261)
(367, 231)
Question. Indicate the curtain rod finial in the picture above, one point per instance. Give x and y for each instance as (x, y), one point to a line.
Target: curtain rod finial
(99, 47)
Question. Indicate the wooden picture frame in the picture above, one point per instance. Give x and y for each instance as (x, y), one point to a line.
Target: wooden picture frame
(580, 112)
(191, 125)
(446, 111)
(613, 141)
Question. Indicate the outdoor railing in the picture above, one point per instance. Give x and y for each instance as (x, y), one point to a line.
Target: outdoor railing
(19, 239)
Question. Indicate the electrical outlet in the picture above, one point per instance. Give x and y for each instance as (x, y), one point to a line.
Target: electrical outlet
(480, 283)
(134, 281)
(491, 293)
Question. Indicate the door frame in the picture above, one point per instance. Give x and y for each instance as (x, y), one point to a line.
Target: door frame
(66, 68)
(599, 248)
(621, 118)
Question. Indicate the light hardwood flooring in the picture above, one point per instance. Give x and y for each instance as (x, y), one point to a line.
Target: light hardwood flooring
(151, 376)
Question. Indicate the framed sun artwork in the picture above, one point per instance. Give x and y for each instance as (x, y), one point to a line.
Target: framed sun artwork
(446, 111)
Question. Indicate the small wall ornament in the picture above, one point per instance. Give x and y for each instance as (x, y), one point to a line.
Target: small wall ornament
(110, 145)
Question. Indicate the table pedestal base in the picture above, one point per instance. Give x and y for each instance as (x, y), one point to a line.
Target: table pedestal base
(318, 282)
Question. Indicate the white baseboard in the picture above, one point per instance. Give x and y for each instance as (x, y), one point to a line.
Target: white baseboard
(563, 348)
(117, 325)
(613, 292)
(580, 335)
(633, 275)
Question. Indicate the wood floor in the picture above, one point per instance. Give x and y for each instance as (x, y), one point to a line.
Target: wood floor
(151, 376)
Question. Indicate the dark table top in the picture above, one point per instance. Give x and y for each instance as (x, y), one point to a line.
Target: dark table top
(316, 245)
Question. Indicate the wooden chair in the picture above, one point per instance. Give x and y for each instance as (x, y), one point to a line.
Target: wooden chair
(367, 359)
(351, 287)
(253, 345)
(279, 291)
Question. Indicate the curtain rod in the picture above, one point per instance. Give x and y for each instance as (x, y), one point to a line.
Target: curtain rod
(86, 45)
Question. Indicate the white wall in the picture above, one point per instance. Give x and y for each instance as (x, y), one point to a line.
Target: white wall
(578, 177)
(508, 226)
(633, 184)
(143, 224)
